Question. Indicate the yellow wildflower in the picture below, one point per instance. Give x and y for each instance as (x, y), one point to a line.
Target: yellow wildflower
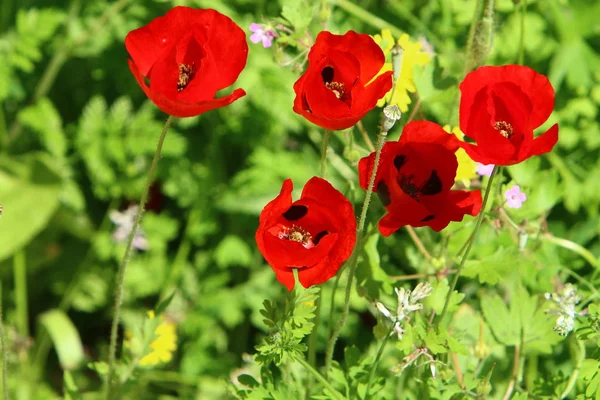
(412, 55)
(466, 166)
(163, 346)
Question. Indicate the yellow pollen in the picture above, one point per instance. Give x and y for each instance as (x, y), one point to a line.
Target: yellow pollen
(504, 128)
(337, 88)
(186, 74)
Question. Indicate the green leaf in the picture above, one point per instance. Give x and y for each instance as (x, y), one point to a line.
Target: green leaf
(65, 338)
(435, 342)
(44, 119)
(491, 269)
(505, 326)
(233, 251)
(369, 274)
(29, 201)
(298, 14)
(438, 297)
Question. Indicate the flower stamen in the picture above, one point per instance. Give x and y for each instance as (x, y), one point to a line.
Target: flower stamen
(504, 128)
(186, 74)
(297, 234)
(337, 88)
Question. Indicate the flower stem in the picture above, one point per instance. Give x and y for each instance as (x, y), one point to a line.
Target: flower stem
(366, 16)
(469, 244)
(121, 272)
(353, 261)
(418, 242)
(576, 371)
(320, 378)
(20, 273)
(377, 358)
(324, 147)
(4, 351)
(523, 12)
(574, 247)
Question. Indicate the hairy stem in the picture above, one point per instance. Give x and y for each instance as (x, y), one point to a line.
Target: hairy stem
(353, 261)
(469, 244)
(122, 267)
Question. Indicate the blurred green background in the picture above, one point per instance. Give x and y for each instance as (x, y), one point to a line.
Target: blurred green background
(76, 139)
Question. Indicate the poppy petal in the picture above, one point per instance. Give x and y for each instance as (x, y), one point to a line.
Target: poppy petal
(179, 108)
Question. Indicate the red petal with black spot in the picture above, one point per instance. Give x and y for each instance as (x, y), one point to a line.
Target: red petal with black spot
(500, 107)
(415, 177)
(314, 234)
(187, 56)
(338, 88)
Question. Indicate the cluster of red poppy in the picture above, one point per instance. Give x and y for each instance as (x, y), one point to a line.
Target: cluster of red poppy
(182, 59)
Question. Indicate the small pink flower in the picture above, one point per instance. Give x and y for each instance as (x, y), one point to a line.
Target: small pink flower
(261, 34)
(484, 169)
(514, 197)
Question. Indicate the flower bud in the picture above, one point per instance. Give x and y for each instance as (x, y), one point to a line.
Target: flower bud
(481, 350)
(351, 154)
(391, 114)
(484, 387)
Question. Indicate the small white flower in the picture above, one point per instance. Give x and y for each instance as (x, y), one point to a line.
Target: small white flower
(124, 224)
(566, 300)
(408, 302)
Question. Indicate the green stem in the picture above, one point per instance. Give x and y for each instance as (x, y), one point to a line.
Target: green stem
(574, 247)
(377, 358)
(353, 261)
(575, 373)
(312, 343)
(472, 31)
(320, 378)
(4, 351)
(469, 245)
(122, 267)
(324, 146)
(20, 272)
(523, 12)
(367, 17)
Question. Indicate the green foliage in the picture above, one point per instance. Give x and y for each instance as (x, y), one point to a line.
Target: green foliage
(288, 323)
(76, 139)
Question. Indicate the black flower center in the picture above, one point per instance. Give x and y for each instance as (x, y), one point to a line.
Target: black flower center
(186, 74)
(504, 128)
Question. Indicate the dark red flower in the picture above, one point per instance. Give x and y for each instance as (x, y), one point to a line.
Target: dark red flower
(315, 234)
(186, 57)
(499, 109)
(414, 179)
(336, 90)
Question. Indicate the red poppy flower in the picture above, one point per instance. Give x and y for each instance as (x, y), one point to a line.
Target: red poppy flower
(499, 109)
(336, 90)
(414, 179)
(315, 234)
(186, 57)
